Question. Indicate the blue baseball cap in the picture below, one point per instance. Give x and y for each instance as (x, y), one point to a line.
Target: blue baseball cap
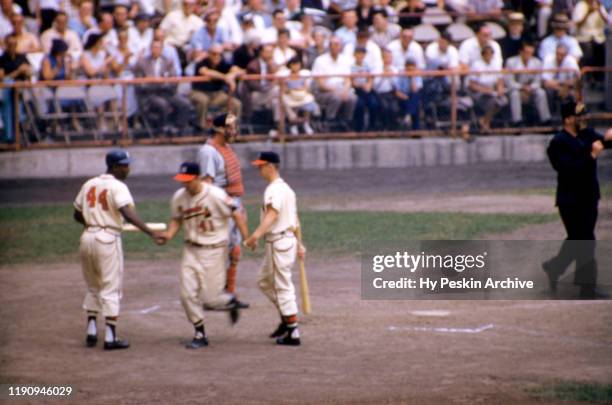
(118, 157)
(187, 172)
(266, 157)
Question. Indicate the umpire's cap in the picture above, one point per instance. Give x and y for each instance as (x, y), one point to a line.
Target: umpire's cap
(266, 157)
(118, 157)
(568, 109)
(223, 120)
(187, 172)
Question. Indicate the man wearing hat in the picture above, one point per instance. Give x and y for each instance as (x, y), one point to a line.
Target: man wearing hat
(140, 36)
(560, 27)
(573, 153)
(279, 226)
(101, 205)
(203, 211)
(220, 166)
(511, 43)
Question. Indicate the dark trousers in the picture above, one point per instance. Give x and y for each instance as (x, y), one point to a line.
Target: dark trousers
(411, 106)
(366, 101)
(167, 109)
(579, 221)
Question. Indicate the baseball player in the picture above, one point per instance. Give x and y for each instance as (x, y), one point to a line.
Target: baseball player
(203, 210)
(279, 227)
(100, 206)
(220, 166)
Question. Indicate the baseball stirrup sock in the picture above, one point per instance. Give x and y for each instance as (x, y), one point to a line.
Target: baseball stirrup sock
(199, 329)
(232, 270)
(111, 324)
(91, 323)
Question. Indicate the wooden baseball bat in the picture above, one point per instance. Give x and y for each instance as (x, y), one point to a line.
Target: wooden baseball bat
(304, 289)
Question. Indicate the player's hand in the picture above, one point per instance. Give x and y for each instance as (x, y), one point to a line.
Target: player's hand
(596, 149)
(301, 251)
(160, 238)
(251, 242)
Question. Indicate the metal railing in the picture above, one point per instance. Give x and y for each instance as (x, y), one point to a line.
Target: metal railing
(125, 133)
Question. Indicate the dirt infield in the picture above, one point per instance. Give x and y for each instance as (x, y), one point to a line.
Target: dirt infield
(354, 351)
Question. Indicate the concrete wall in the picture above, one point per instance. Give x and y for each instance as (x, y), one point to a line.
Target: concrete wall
(343, 154)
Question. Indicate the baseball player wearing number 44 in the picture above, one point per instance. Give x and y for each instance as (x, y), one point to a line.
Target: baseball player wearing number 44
(279, 227)
(203, 210)
(100, 206)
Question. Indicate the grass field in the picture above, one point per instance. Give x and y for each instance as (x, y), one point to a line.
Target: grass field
(48, 233)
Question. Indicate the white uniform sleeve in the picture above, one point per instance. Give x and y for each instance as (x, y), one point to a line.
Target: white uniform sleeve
(224, 202)
(273, 197)
(206, 160)
(122, 196)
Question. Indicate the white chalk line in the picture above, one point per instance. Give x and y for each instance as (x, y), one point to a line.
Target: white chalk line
(442, 329)
(150, 309)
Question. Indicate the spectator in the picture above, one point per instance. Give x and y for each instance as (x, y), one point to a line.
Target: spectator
(385, 5)
(229, 25)
(179, 26)
(348, 30)
(442, 53)
(46, 10)
(487, 89)
(298, 100)
(121, 18)
(217, 89)
(61, 31)
(282, 52)
(7, 9)
(484, 9)
(305, 36)
(124, 62)
(526, 88)
(511, 43)
(263, 94)
(406, 47)
(256, 13)
(57, 66)
(364, 13)
(168, 51)
(26, 42)
(384, 87)
(383, 32)
(248, 51)
(105, 29)
(410, 15)
(470, 49)
(373, 57)
(293, 10)
(206, 36)
(85, 20)
(14, 65)
(367, 101)
(408, 91)
(590, 19)
(160, 102)
(560, 86)
(335, 94)
(317, 49)
(279, 22)
(560, 26)
(140, 36)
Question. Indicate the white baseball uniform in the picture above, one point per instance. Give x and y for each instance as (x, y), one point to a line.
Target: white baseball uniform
(99, 200)
(205, 221)
(281, 248)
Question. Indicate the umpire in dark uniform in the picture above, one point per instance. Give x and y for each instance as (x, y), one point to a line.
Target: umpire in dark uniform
(573, 153)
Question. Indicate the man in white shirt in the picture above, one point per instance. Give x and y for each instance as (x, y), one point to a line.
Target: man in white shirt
(470, 49)
(279, 22)
(406, 47)
(105, 28)
(526, 88)
(348, 31)
(560, 85)
(180, 25)
(560, 26)
(229, 25)
(334, 94)
(442, 53)
(373, 57)
(60, 31)
(140, 35)
(487, 89)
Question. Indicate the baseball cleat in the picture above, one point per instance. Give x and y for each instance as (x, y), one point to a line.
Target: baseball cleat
(91, 340)
(291, 338)
(553, 277)
(197, 343)
(280, 331)
(234, 311)
(116, 344)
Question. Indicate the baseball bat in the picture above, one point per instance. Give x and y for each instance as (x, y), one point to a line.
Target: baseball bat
(154, 226)
(304, 289)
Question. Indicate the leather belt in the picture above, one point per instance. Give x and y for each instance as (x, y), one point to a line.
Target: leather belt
(211, 246)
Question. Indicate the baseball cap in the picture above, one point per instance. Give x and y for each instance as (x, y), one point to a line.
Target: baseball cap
(222, 120)
(266, 157)
(118, 157)
(187, 172)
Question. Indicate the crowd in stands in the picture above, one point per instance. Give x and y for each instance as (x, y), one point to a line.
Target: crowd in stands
(223, 40)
